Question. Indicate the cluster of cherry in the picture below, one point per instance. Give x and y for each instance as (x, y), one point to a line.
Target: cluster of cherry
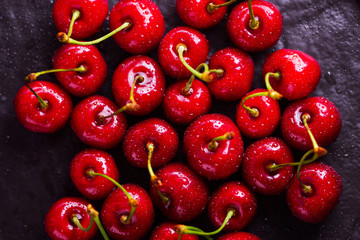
(212, 142)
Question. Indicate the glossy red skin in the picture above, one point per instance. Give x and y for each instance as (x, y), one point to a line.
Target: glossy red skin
(149, 93)
(71, 56)
(33, 117)
(85, 124)
(258, 157)
(188, 193)
(183, 109)
(266, 123)
(324, 123)
(92, 16)
(239, 236)
(327, 186)
(166, 231)
(147, 25)
(262, 38)
(197, 51)
(117, 204)
(94, 188)
(58, 223)
(300, 73)
(225, 159)
(155, 131)
(238, 74)
(194, 13)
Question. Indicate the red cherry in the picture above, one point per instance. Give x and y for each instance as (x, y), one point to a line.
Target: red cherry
(256, 166)
(324, 123)
(316, 205)
(155, 131)
(59, 224)
(299, 73)
(255, 38)
(90, 125)
(238, 74)
(146, 29)
(209, 156)
(197, 50)
(149, 88)
(239, 236)
(44, 119)
(232, 196)
(184, 107)
(166, 231)
(98, 161)
(116, 205)
(186, 192)
(90, 21)
(261, 116)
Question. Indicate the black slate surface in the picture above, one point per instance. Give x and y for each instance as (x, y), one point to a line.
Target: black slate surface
(34, 167)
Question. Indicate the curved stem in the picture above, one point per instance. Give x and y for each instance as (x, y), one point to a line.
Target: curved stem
(76, 221)
(43, 104)
(279, 166)
(272, 93)
(33, 76)
(320, 151)
(214, 143)
(95, 215)
(186, 89)
(212, 7)
(75, 16)
(254, 23)
(306, 189)
(253, 111)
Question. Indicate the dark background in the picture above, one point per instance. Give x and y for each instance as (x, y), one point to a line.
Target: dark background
(34, 167)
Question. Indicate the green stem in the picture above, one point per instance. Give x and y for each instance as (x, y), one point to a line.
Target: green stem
(305, 188)
(317, 149)
(212, 7)
(272, 93)
(43, 104)
(254, 24)
(214, 143)
(188, 85)
(33, 76)
(101, 228)
(76, 221)
(253, 111)
(75, 16)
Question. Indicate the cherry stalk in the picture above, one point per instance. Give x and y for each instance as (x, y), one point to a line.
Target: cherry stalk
(214, 143)
(212, 7)
(254, 23)
(75, 16)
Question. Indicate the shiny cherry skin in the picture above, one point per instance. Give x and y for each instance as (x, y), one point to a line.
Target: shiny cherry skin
(97, 187)
(183, 108)
(218, 163)
(30, 113)
(166, 231)
(117, 204)
(238, 74)
(258, 157)
(88, 127)
(232, 195)
(239, 236)
(262, 38)
(80, 84)
(58, 223)
(147, 25)
(197, 50)
(187, 193)
(194, 13)
(156, 131)
(263, 125)
(325, 123)
(299, 73)
(92, 16)
(149, 93)
(326, 187)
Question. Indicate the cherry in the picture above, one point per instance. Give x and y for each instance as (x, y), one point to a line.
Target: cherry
(325, 188)
(180, 194)
(238, 73)
(232, 196)
(42, 107)
(98, 161)
(257, 165)
(213, 146)
(239, 236)
(80, 18)
(116, 208)
(323, 119)
(293, 73)
(258, 116)
(90, 123)
(186, 42)
(149, 87)
(166, 231)
(255, 26)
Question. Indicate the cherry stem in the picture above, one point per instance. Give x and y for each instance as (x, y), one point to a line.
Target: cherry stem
(272, 93)
(43, 104)
(320, 151)
(95, 215)
(64, 38)
(76, 221)
(212, 7)
(186, 89)
(33, 76)
(75, 16)
(254, 23)
(132, 202)
(214, 143)
(253, 111)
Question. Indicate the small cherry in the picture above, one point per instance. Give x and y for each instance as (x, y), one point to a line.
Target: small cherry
(239, 236)
(255, 26)
(213, 146)
(42, 107)
(80, 18)
(166, 231)
(94, 188)
(325, 186)
(94, 122)
(149, 88)
(180, 194)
